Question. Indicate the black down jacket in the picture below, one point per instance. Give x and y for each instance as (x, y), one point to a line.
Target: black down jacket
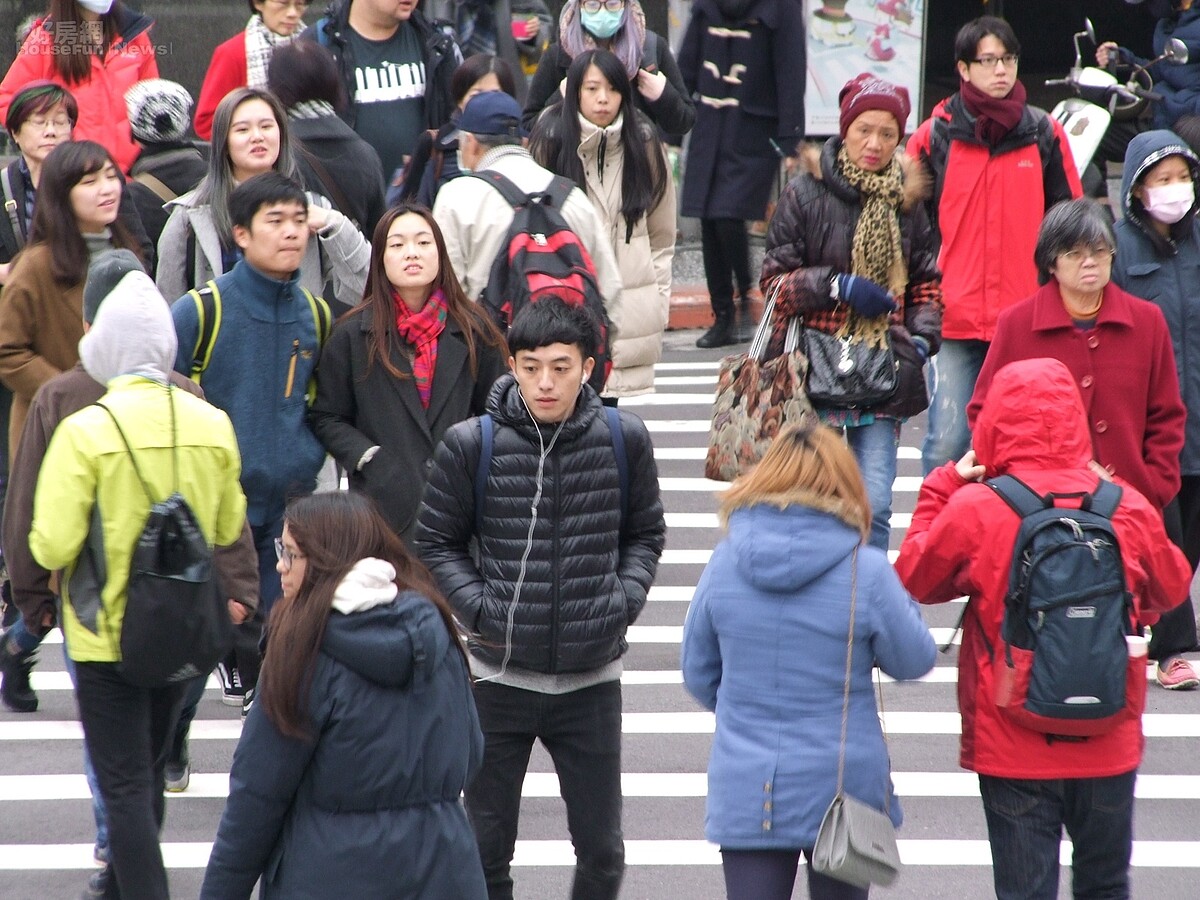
(587, 575)
(809, 241)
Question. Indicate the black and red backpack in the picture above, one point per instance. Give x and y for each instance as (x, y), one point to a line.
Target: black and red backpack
(542, 256)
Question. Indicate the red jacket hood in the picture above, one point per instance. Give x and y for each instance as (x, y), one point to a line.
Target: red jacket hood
(1032, 418)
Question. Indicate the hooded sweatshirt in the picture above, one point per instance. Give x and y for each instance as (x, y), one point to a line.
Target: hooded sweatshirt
(764, 646)
(1164, 270)
(1032, 425)
(91, 504)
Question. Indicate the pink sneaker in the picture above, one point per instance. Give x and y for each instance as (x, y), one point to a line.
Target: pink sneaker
(1177, 674)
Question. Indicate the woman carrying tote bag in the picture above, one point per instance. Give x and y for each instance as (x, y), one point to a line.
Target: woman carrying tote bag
(853, 250)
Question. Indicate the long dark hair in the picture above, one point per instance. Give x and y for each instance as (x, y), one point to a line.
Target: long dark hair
(555, 143)
(383, 338)
(73, 45)
(54, 222)
(333, 530)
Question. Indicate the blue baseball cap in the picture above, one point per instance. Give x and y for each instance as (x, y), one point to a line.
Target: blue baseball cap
(492, 113)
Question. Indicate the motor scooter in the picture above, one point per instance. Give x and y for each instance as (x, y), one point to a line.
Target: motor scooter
(1099, 98)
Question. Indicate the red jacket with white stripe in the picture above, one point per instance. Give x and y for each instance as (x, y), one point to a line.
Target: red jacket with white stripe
(1033, 426)
(988, 204)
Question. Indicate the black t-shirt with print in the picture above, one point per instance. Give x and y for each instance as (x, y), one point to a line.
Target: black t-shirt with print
(389, 93)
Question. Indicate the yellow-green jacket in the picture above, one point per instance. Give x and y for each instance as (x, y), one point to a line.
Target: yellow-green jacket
(89, 508)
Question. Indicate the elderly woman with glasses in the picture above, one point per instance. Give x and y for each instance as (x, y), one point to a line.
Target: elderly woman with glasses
(1117, 347)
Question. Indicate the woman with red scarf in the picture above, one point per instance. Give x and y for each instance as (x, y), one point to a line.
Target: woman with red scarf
(415, 357)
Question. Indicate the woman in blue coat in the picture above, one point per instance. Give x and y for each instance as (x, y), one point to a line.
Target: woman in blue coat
(764, 646)
(348, 778)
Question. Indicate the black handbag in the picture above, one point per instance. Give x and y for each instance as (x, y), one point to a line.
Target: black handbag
(845, 373)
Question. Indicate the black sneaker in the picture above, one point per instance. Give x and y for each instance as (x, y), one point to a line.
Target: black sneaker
(233, 692)
(15, 690)
(247, 702)
(720, 335)
(97, 885)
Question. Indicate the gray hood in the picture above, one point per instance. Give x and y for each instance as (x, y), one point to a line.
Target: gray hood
(133, 334)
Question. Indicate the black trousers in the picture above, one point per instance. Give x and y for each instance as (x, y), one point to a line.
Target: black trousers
(1175, 632)
(726, 251)
(128, 730)
(582, 732)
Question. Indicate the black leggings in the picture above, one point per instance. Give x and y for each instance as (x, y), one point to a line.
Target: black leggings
(770, 875)
(726, 252)
(1175, 632)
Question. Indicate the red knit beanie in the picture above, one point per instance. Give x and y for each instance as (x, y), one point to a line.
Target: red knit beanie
(866, 92)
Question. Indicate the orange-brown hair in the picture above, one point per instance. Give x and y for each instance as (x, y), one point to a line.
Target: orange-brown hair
(806, 465)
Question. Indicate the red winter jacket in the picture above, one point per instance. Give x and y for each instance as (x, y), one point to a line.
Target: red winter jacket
(102, 114)
(1124, 368)
(226, 72)
(988, 205)
(960, 542)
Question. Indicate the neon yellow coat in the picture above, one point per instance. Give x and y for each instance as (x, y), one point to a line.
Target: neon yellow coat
(89, 508)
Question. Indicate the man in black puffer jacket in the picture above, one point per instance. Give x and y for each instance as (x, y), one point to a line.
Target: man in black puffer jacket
(569, 528)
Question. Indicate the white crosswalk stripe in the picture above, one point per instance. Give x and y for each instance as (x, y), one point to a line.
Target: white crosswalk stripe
(45, 821)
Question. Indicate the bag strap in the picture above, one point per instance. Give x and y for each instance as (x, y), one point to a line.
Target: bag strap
(208, 313)
(762, 334)
(322, 318)
(161, 191)
(849, 658)
(618, 443)
(1106, 499)
(1017, 495)
(557, 191)
(513, 195)
(486, 428)
(332, 188)
(133, 458)
(10, 206)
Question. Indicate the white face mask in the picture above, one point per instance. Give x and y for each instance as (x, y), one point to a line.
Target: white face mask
(462, 166)
(97, 6)
(1168, 203)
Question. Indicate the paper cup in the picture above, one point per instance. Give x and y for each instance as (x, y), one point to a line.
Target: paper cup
(1138, 646)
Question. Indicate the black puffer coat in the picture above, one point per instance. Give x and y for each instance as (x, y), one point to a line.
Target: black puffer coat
(809, 241)
(587, 575)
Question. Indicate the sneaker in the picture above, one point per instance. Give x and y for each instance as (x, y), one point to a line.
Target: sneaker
(232, 689)
(15, 690)
(720, 335)
(97, 885)
(1177, 674)
(177, 773)
(247, 702)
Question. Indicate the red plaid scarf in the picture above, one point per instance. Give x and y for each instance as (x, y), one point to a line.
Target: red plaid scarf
(422, 329)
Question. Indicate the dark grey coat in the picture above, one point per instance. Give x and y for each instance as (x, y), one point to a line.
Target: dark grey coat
(360, 406)
(758, 48)
(587, 574)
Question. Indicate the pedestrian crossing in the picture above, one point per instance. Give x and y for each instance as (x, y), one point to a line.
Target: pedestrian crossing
(45, 820)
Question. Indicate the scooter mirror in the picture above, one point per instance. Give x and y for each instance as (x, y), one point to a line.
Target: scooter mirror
(1176, 51)
(1089, 30)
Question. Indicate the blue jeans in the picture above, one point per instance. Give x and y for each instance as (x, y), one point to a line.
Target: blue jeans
(269, 587)
(951, 378)
(23, 639)
(874, 447)
(89, 772)
(1025, 819)
(581, 730)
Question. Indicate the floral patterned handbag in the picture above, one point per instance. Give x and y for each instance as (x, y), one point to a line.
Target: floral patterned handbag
(755, 399)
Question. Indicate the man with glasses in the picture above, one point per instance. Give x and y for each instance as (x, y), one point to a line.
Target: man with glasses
(998, 166)
(396, 68)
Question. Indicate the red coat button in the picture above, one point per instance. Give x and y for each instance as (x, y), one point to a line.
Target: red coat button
(1093, 341)
(1101, 427)
(1086, 381)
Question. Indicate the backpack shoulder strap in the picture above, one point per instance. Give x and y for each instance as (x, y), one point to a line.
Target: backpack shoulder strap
(10, 206)
(322, 317)
(515, 197)
(486, 428)
(558, 190)
(160, 189)
(1106, 499)
(1017, 494)
(208, 315)
(618, 444)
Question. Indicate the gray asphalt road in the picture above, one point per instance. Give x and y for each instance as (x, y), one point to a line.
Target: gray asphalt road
(45, 822)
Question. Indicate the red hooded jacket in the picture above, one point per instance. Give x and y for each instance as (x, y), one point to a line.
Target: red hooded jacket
(1033, 426)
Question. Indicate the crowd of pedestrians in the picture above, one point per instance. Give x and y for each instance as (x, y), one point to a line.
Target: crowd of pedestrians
(333, 287)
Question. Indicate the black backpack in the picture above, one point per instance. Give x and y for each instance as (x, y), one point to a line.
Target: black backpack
(1066, 669)
(541, 256)
(176, 625)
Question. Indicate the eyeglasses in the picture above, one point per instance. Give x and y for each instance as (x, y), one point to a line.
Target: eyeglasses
(39, 123)
(989, 62)
(301, 6)
(593, 6)
(1099, 252)
(284, 555)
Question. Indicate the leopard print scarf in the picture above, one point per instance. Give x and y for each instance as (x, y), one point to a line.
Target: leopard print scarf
(876, 252)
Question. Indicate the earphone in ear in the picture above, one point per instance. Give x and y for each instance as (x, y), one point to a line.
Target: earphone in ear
(583, 381)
